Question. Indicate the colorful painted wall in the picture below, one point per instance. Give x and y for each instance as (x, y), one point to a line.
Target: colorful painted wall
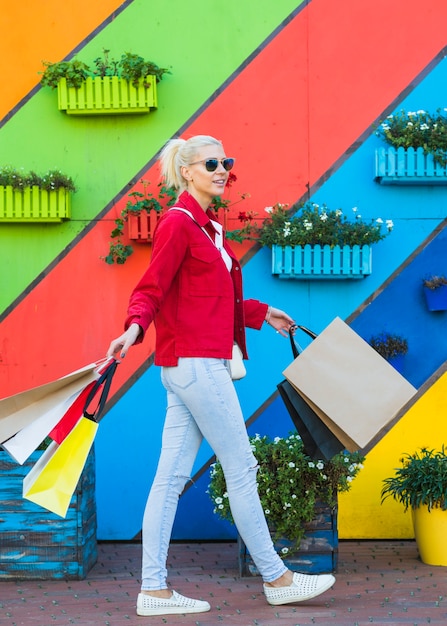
(295, 99)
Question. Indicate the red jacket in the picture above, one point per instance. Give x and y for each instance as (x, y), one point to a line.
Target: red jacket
(196, 303)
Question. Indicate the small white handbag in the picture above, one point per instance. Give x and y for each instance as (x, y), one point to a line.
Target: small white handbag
(237, 367)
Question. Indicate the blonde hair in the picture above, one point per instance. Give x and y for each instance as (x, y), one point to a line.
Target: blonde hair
(179, 153)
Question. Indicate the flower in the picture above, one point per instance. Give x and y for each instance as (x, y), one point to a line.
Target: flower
(389, 345)
(417, 129)
(314, 224)
(289, 483)
(50, 181)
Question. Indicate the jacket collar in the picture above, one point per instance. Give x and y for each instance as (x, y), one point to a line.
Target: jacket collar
(187, 201)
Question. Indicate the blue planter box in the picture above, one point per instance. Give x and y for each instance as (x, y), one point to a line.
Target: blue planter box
(37, 544)
(408, 167)
(321, 262)
(318, 551)
(436, 299)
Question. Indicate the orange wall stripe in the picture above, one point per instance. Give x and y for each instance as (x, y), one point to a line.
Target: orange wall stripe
(263, 118)
(30, 34)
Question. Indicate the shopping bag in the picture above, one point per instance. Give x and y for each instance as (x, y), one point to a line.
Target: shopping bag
(19, 410)
(319, 442)
(23, 444)
(354, 391)
(53, 479)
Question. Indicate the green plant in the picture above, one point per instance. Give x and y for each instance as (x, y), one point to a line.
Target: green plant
(289, 483)
(417, 129)
(130, 66)
(389, 345)
(421, 481)
(313, 224)
(50, 181)
(433, 282)
(139, 202)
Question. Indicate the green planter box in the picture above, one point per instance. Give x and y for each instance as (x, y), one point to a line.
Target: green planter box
(318, 551)
(33, 204)
(110, 95)
(37, 544)
(408, 167)
(321, 262)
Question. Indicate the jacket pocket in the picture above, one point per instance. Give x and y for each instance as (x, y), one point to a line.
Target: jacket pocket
(206, 271)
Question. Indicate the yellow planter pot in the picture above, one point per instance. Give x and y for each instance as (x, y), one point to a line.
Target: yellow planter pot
(33, 204)
(430, 531)
(110, 95)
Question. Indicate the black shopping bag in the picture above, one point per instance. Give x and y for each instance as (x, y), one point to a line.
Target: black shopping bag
(319, 442)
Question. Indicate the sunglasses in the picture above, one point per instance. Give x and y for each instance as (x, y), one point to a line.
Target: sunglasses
(211, 165)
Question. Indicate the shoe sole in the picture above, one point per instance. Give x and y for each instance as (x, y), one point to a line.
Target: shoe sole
(173, 610)
(309, 596)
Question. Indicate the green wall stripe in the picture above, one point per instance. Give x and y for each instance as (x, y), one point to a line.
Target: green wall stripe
(104, 154)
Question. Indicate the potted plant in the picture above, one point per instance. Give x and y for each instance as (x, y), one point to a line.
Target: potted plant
(110, 86)
(435, 291)
(141, 214)
(299, 498)
(313, 242)
(391, 347)
(31, 197)
(417, 152)
(421, 484)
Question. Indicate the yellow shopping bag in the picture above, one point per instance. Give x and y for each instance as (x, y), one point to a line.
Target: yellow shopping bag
(53, 479)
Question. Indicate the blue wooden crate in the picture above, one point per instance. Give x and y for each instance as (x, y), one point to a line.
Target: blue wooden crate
(400, 166)
(318, 551)
(38, 544)
(321, 262)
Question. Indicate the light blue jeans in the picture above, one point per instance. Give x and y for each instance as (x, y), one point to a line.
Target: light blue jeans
(202, 403)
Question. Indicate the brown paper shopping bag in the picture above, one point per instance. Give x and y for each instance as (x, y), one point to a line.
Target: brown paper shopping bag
(22, 409)
(353, 390)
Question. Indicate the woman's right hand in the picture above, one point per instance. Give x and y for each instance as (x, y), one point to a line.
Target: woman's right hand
(122, 343)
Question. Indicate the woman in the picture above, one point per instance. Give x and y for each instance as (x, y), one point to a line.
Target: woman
(192, 291)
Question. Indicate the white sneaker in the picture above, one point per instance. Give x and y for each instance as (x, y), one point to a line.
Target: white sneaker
(303, 587)
(175, 605)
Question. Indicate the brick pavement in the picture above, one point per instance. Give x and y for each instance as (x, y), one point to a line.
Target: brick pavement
(378, 582)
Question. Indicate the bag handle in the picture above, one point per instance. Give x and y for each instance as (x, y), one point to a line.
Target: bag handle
(105, 380)
(295, 348)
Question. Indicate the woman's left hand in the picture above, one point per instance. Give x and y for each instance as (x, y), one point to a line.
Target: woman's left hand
(280, 321)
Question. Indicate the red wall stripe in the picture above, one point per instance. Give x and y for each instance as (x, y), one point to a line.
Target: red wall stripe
(287, 117)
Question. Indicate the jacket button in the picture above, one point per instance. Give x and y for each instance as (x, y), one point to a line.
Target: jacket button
(237, 269)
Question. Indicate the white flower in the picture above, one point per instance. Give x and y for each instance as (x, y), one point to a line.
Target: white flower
(277, 440)
(218, 500)
(311, 464)
(268, 209)
(221, 506)
(338, 212)
(291, 464)
(307, 225)
(349, 479)
(379, 220)
(284, 550)
(425, 127)
(354, 209)
(390, 224)
(320, 465)
(267, 511)
(323, 217)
